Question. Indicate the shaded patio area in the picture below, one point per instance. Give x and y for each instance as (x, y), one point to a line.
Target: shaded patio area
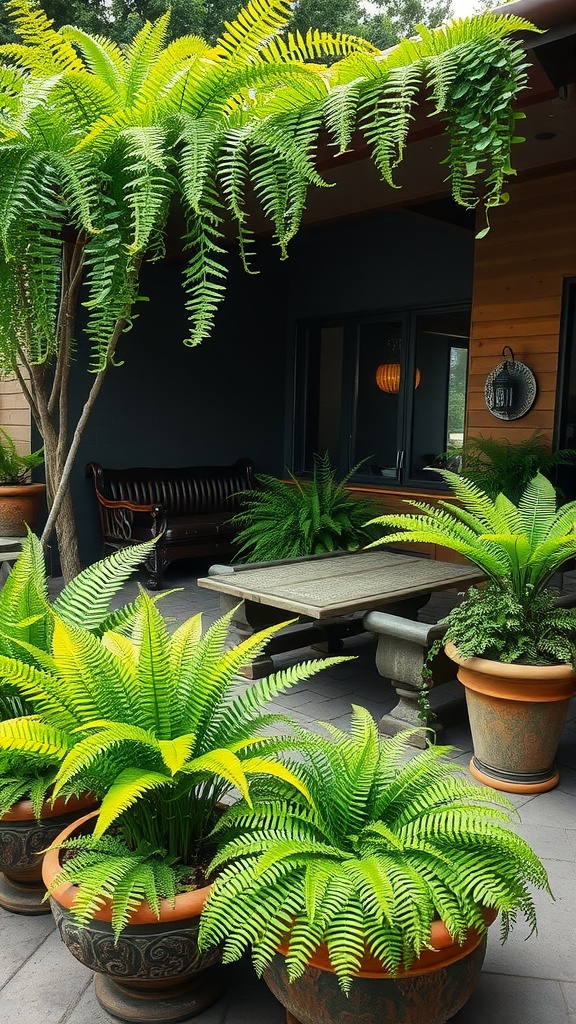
(530, 982)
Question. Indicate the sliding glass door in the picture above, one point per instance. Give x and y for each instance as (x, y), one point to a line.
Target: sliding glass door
(385, 391)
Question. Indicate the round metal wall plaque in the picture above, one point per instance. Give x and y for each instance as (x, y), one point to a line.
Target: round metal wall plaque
(526, 390)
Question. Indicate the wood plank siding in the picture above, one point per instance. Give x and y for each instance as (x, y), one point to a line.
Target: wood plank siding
(15, 414)
(519, 271)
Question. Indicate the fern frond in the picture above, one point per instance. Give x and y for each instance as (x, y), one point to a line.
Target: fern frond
(126, 789)
(85, 600)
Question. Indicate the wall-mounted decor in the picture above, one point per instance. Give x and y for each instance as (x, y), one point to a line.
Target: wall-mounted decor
(510, 389)
(388, 378)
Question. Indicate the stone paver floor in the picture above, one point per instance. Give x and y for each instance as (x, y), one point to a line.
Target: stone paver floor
(531, 982)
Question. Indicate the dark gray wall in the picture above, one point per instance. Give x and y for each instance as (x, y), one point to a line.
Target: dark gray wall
(388, 261)
(171, 405)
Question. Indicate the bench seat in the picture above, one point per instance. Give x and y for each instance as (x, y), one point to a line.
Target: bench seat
(189, 509)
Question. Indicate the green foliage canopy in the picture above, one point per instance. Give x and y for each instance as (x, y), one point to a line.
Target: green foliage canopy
(120, 20)
(97, 140)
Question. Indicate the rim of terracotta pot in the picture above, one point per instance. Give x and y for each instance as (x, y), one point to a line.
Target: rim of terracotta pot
(446, 951)
(514, 681)
(23, 810)
(187, 904)
(18, 489)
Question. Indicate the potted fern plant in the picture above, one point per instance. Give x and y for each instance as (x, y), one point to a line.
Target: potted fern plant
(497, 464)
(291, 519)
(372, 902)
(160, 728)
(514, 647)
(20, 499)
(29, 819)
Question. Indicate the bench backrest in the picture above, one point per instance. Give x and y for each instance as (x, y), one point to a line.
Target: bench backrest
(186, 491)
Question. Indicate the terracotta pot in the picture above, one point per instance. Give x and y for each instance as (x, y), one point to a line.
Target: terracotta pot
(430, 992)
(22, 841)
(517, 714)
(155, 971)
(20, 506)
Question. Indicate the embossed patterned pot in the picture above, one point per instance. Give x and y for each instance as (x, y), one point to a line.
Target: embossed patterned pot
(20, 506)
(517, 714)
(154, 972)
(431, 992)
(22, 841)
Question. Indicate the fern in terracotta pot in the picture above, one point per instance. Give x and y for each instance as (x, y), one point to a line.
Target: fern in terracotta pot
(20, 499)
(372, 902)
(29, 820)
(515, 647)
(160, 727)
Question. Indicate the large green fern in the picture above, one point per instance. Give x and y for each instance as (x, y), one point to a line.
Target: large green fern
(498, 464)
(302, 517)
(27, 624)
(384, 849)
(157, 725)
(518, 547)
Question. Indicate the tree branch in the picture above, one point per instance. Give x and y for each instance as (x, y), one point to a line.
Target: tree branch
(64, 475)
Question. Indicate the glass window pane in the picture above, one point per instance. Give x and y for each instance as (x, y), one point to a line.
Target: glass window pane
(379, 368)
(456, 406)
(319, 389)
(566, 394)
(439, 400)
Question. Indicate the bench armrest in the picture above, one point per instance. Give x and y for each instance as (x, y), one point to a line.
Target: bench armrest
(398, 628)
(132, 506)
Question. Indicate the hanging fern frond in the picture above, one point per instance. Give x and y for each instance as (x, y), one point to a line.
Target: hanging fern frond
(257, 22)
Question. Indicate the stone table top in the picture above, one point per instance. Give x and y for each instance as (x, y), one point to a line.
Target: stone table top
(323, 587)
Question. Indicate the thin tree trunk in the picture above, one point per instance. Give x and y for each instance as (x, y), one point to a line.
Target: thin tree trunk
(48, 398)
(67, 538)
(61, 499)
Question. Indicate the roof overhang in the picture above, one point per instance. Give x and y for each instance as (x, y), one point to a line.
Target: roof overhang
(549, 104)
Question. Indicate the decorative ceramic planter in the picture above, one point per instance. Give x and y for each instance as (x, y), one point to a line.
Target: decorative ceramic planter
(517, 714)
(431, 992)
(22, 841)
(20, 506)
(155, 971)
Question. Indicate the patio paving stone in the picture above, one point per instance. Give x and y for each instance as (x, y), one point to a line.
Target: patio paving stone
(569, 993)
(46, 988)
(17, 945)
(531, 982)
(502, 999)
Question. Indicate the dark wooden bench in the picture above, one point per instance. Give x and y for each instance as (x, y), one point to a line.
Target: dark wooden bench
(188, 509)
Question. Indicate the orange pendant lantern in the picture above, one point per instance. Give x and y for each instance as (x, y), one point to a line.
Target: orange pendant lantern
(388, 378)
